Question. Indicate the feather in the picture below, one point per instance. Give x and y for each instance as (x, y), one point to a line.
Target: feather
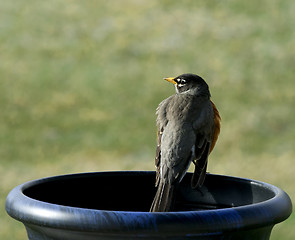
(164, 198)
(200, 168)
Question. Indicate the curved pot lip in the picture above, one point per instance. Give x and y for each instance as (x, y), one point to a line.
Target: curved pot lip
(34, 212)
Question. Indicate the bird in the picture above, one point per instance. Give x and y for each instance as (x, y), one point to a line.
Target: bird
(188, 124)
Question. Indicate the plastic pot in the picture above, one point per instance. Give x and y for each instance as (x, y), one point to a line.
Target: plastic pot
(114, 205)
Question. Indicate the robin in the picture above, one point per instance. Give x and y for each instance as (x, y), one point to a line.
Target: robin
(188, 127)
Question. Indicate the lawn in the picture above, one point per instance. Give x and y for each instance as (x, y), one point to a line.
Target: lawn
(80, 82)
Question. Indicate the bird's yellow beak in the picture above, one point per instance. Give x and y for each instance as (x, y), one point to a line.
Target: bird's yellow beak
(170, 80)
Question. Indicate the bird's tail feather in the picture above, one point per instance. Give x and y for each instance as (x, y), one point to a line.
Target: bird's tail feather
(164, 198)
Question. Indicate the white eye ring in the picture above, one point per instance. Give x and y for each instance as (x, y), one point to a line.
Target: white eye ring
(180, 82)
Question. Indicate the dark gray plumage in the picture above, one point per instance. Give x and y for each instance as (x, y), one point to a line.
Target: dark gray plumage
(188, 125)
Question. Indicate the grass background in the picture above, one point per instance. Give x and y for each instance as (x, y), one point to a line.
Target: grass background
(80, 82)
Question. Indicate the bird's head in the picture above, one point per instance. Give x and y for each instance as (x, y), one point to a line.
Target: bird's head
(190, 83)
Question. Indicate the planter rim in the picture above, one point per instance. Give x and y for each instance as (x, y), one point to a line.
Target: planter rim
(34, 212)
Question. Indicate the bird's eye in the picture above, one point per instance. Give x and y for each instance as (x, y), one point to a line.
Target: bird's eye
(183, 81)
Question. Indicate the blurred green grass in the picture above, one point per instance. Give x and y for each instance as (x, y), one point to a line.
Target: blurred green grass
(80, 81)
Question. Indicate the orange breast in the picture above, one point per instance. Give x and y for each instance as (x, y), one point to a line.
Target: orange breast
(217, 120)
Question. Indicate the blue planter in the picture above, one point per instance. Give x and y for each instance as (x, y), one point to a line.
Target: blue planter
(114, 205)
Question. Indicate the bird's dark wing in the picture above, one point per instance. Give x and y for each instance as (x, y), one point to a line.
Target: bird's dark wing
(203, 147)
(161, 123)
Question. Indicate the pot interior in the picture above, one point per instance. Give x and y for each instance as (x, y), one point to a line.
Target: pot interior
(134, 191)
